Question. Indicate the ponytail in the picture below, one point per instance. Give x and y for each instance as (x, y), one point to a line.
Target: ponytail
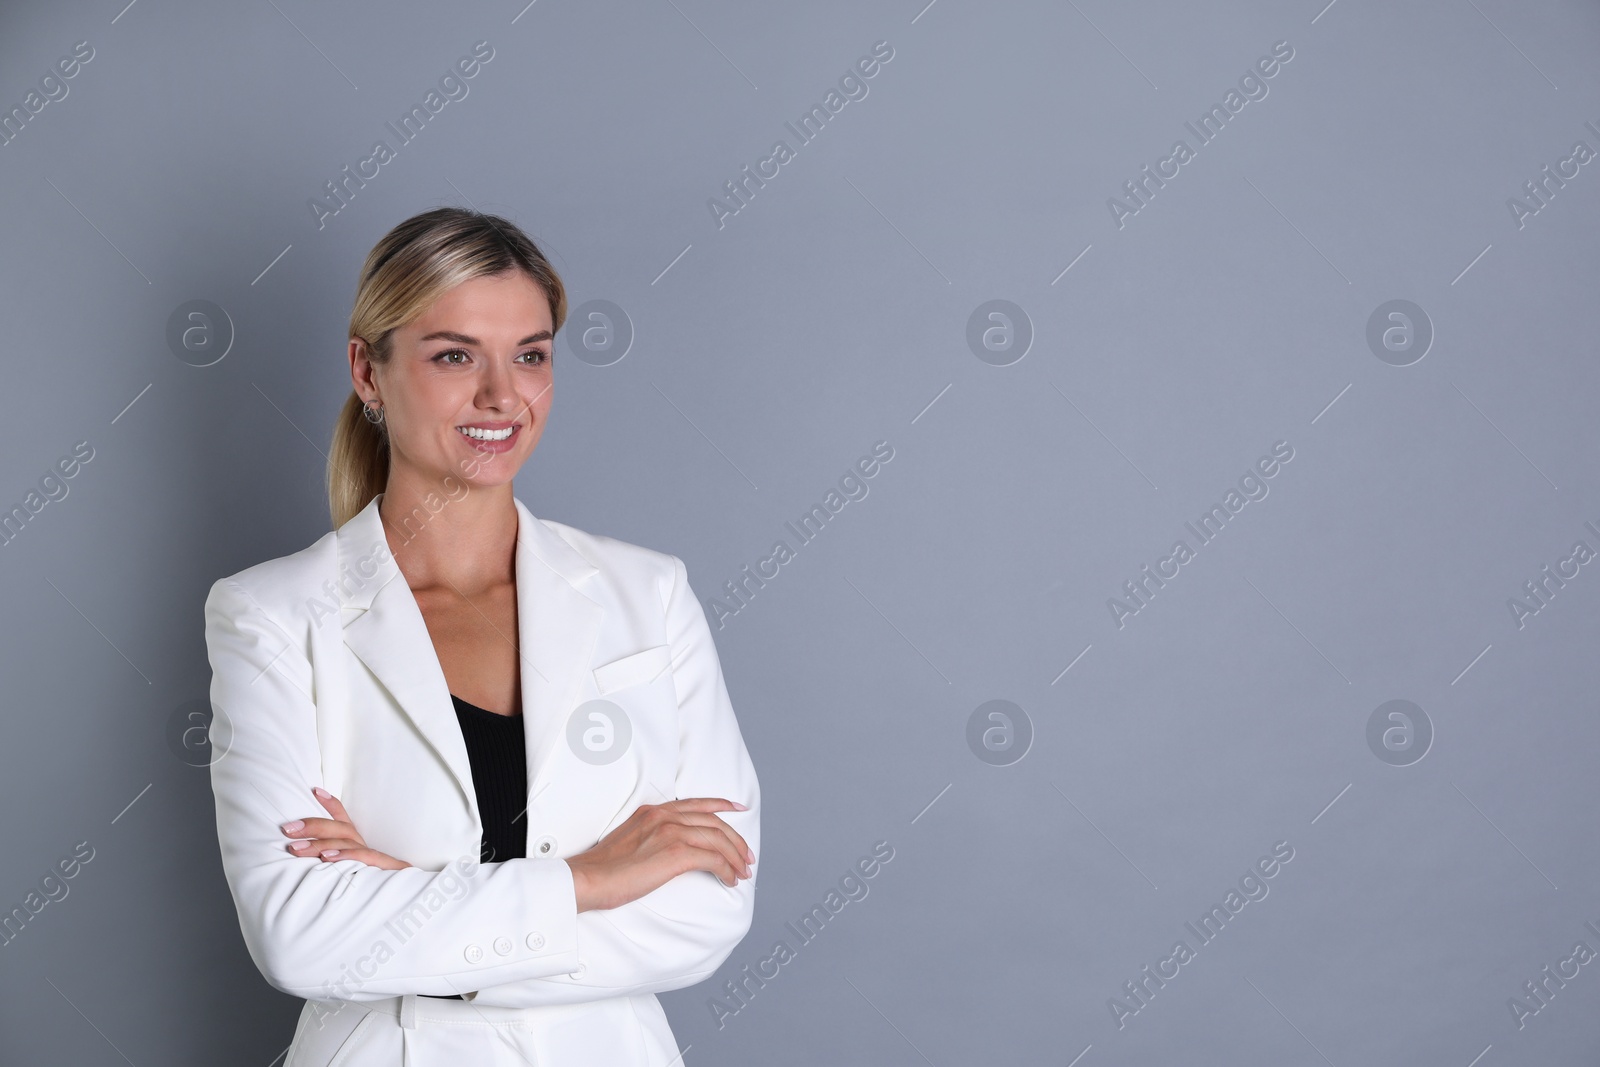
(358, 462)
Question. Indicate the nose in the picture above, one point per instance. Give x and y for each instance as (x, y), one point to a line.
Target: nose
(494, 389)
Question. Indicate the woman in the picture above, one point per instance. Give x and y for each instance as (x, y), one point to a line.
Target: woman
(480, 791)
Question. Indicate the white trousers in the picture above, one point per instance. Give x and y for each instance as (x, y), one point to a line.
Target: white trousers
(418, 1031)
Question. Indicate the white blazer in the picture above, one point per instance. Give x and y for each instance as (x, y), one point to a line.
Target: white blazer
(323, 673)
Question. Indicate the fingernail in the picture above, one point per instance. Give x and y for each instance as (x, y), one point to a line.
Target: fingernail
(321, 792)
(299, 846)
(740, 807)
(329, 853)
(750, 857)
(291, 827)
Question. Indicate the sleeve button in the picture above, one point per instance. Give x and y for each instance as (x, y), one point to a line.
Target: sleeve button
(502, 946)
(536, 940)
(473, 953)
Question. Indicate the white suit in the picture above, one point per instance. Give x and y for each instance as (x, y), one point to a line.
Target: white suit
(323, 673)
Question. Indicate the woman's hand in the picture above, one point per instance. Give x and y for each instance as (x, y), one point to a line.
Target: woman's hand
(657, 843)
(336, 838)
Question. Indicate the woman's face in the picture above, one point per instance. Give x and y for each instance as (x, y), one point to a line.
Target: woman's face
(467, 386)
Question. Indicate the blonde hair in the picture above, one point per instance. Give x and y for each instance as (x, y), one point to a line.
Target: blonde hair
(411, 267)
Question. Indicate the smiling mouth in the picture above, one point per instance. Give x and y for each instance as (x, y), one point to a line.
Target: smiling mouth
(477, 433)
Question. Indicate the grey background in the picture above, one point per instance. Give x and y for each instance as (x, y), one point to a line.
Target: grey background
(1230, 313)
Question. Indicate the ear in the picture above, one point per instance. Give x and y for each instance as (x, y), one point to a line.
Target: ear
(363, 372)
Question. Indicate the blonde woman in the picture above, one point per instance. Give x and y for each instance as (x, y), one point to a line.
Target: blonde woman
(480, 791)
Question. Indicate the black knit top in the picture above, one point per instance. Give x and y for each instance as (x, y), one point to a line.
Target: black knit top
(495, 749)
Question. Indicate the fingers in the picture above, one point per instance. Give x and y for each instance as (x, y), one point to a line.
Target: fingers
(703, 804)
(720, 835)
(339, 827)
(331, 802)
(370, 856)
(329, 840)
(331, 849)
(658, 842)
(697, 813)
(319, 845)
(704, 857)
(310, 828)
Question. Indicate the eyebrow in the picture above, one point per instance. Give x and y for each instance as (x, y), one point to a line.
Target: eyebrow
(461, 338)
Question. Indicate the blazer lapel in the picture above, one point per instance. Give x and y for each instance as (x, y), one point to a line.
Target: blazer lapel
(558, 625)
(384, 628)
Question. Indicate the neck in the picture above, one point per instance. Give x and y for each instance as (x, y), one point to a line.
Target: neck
(466, 539)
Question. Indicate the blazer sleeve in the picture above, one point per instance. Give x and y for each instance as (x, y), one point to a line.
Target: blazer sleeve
(344, 930)
(681, 932)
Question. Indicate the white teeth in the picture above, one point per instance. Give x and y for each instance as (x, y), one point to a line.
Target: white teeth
(485, 435)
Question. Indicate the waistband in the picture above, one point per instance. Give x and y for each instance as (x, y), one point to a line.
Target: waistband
(417, 1031)
(414, 1009)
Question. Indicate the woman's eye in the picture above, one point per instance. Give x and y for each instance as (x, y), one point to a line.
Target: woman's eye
(533, 358)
